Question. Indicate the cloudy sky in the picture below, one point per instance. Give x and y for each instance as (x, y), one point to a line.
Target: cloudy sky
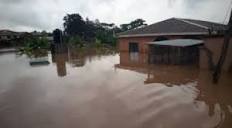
(29, 15)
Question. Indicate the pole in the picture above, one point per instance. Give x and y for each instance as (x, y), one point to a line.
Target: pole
(224, 50)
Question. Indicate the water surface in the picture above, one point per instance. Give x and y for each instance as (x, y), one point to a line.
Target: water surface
(110, 91)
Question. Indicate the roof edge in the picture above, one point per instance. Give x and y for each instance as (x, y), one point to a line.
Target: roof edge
(191, 23)
(164, 34)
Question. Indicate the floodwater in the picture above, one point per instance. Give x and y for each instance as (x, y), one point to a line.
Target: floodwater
(110, 91)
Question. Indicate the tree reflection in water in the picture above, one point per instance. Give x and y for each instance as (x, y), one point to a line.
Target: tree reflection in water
(76, 57)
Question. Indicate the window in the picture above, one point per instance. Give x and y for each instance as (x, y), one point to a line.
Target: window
(133, 47)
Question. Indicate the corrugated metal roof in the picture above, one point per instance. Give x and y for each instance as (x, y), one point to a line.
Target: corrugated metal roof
(176, 26)
(178, 42)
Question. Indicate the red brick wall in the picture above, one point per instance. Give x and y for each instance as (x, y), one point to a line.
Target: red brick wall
(123, 43)
(214, 44)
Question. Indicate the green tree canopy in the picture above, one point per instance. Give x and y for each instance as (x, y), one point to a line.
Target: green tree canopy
(74, 25)
(133, 24)
(87, 30)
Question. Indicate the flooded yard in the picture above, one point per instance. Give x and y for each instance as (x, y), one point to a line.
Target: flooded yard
(110, 91)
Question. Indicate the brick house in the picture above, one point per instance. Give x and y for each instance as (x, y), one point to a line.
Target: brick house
(136, 40)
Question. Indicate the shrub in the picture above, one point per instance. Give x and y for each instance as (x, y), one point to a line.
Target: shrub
(75, 41)
(98, 43)
(34, 45)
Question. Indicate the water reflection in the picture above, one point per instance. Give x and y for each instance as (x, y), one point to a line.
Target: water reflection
(134, 56)
(206, 96)
(110, 91)
(217, 97)
(75, 57)
(63, 55)
(168, 74)
(38, 58)
(60, 60)
(59, 53)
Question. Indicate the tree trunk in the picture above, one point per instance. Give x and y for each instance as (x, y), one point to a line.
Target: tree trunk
(224, 50)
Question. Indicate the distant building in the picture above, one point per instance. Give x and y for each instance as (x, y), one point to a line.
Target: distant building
(7, 35)
(138, 40)
(10, 38)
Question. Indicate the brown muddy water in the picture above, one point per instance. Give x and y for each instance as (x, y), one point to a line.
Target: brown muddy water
(110, 91)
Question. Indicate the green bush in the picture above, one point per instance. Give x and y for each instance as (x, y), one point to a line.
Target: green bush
(98, 43)
(34, 45)
(75, 41)
(106, 38)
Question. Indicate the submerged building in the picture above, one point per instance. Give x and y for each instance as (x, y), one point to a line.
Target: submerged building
(144, 40)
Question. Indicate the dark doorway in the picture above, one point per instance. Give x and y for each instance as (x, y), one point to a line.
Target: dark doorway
(133, 47)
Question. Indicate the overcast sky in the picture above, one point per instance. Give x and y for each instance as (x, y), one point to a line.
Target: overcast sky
(29, 15)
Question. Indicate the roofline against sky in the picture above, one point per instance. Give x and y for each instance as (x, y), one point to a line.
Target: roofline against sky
(165, 34)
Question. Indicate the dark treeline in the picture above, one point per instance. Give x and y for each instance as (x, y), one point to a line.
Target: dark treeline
(78, 30)
(78, 33)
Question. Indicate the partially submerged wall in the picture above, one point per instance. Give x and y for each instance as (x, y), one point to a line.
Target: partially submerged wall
(213, 46)
(123, 43)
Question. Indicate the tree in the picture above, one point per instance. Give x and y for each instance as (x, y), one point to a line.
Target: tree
(90, 30)
(44, 33)
(74, 25)
(105, 33)
(124, 27)
(138, 23)
(57, 35)
(224, 51)
(133, 24)
(107, 26)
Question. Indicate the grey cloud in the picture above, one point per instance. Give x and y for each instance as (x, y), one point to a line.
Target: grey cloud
(213, 10)
(25, 14)
(18, 16)
(48, 14)
(12, 2)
